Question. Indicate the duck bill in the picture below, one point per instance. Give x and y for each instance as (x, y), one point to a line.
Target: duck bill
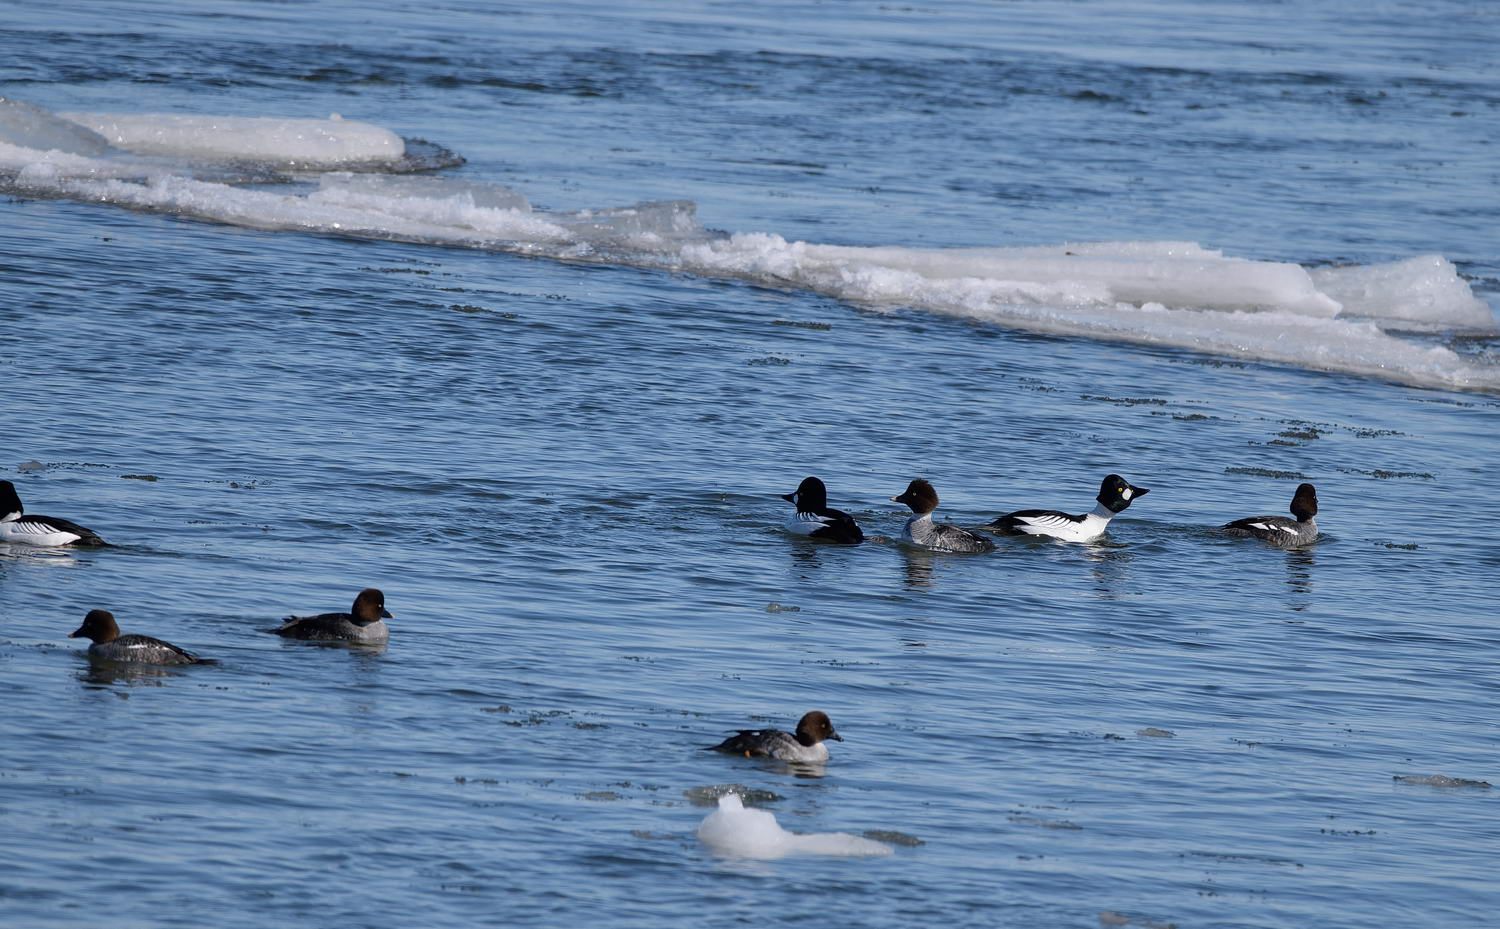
(835, 736)
(75, 633)
(790, 498)
(387, 614)
(1138, 491)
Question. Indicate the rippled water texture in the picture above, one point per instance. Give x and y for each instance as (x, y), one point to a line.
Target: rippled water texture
(565, 475)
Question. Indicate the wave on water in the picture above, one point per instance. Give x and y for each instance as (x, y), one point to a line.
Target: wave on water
(345, 177)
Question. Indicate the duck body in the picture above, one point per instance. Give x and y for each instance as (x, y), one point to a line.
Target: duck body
(1115, 495)
(805, 745)
(921, 530)
(16, 525)
(107, 643)
(815, 519)
(1301, 529)
(364, 624)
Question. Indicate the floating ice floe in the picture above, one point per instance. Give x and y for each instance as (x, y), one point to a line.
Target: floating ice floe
(31, 127)
(1391, 320)
(289, 142)
(1425, 289)
(736, 832)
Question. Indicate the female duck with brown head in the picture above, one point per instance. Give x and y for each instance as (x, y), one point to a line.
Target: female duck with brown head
(940, 537)
(805, 745)
(363, 624)
(100, 627)
(1278, 530)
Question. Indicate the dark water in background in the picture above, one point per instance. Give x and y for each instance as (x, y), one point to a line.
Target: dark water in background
(564, 475)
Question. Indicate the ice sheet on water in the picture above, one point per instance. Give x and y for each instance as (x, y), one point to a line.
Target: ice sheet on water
(736, 832)
(1170, 273)
(28, 126)
(652, 226)
(395, 186)
(1159, 293)
(1425, 289)
(307, 143)
(1149, 293)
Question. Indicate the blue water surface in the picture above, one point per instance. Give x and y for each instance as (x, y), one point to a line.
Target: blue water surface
(566, 479)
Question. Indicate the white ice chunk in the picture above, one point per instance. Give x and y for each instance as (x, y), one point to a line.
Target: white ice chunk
(292, 142)
(1082, 298)
(1423, 289)
(1173, 274)
(29, 126)
(735, 832)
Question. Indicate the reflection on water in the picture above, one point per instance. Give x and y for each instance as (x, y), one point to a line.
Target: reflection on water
(1299, 567)
(919, 562)
(807, 553)
(803, 769)
(362, 649)
(101, 672)
(1109, 564)
(32, 554)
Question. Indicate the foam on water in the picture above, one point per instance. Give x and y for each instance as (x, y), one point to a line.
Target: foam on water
(1159, 293)
(736, 832)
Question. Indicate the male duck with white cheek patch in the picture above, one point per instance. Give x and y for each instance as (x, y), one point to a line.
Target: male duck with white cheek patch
(1115, 495)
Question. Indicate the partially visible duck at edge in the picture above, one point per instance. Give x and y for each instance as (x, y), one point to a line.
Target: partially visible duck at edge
(16, 525)
(815, 519)
(1115, 495)
(805, 745)
(1278, 530)
(921, 530)
(100, 627)
(364, 623)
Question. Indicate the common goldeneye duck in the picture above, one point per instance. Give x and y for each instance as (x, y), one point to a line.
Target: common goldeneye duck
(100, 627)
(921, 530)
(1115, 494)
(34, 529)
(815, 520)
(806, 744)
(362, 624)
(1278, 530)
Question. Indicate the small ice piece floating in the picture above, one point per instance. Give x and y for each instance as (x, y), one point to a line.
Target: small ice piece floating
(735, 832)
